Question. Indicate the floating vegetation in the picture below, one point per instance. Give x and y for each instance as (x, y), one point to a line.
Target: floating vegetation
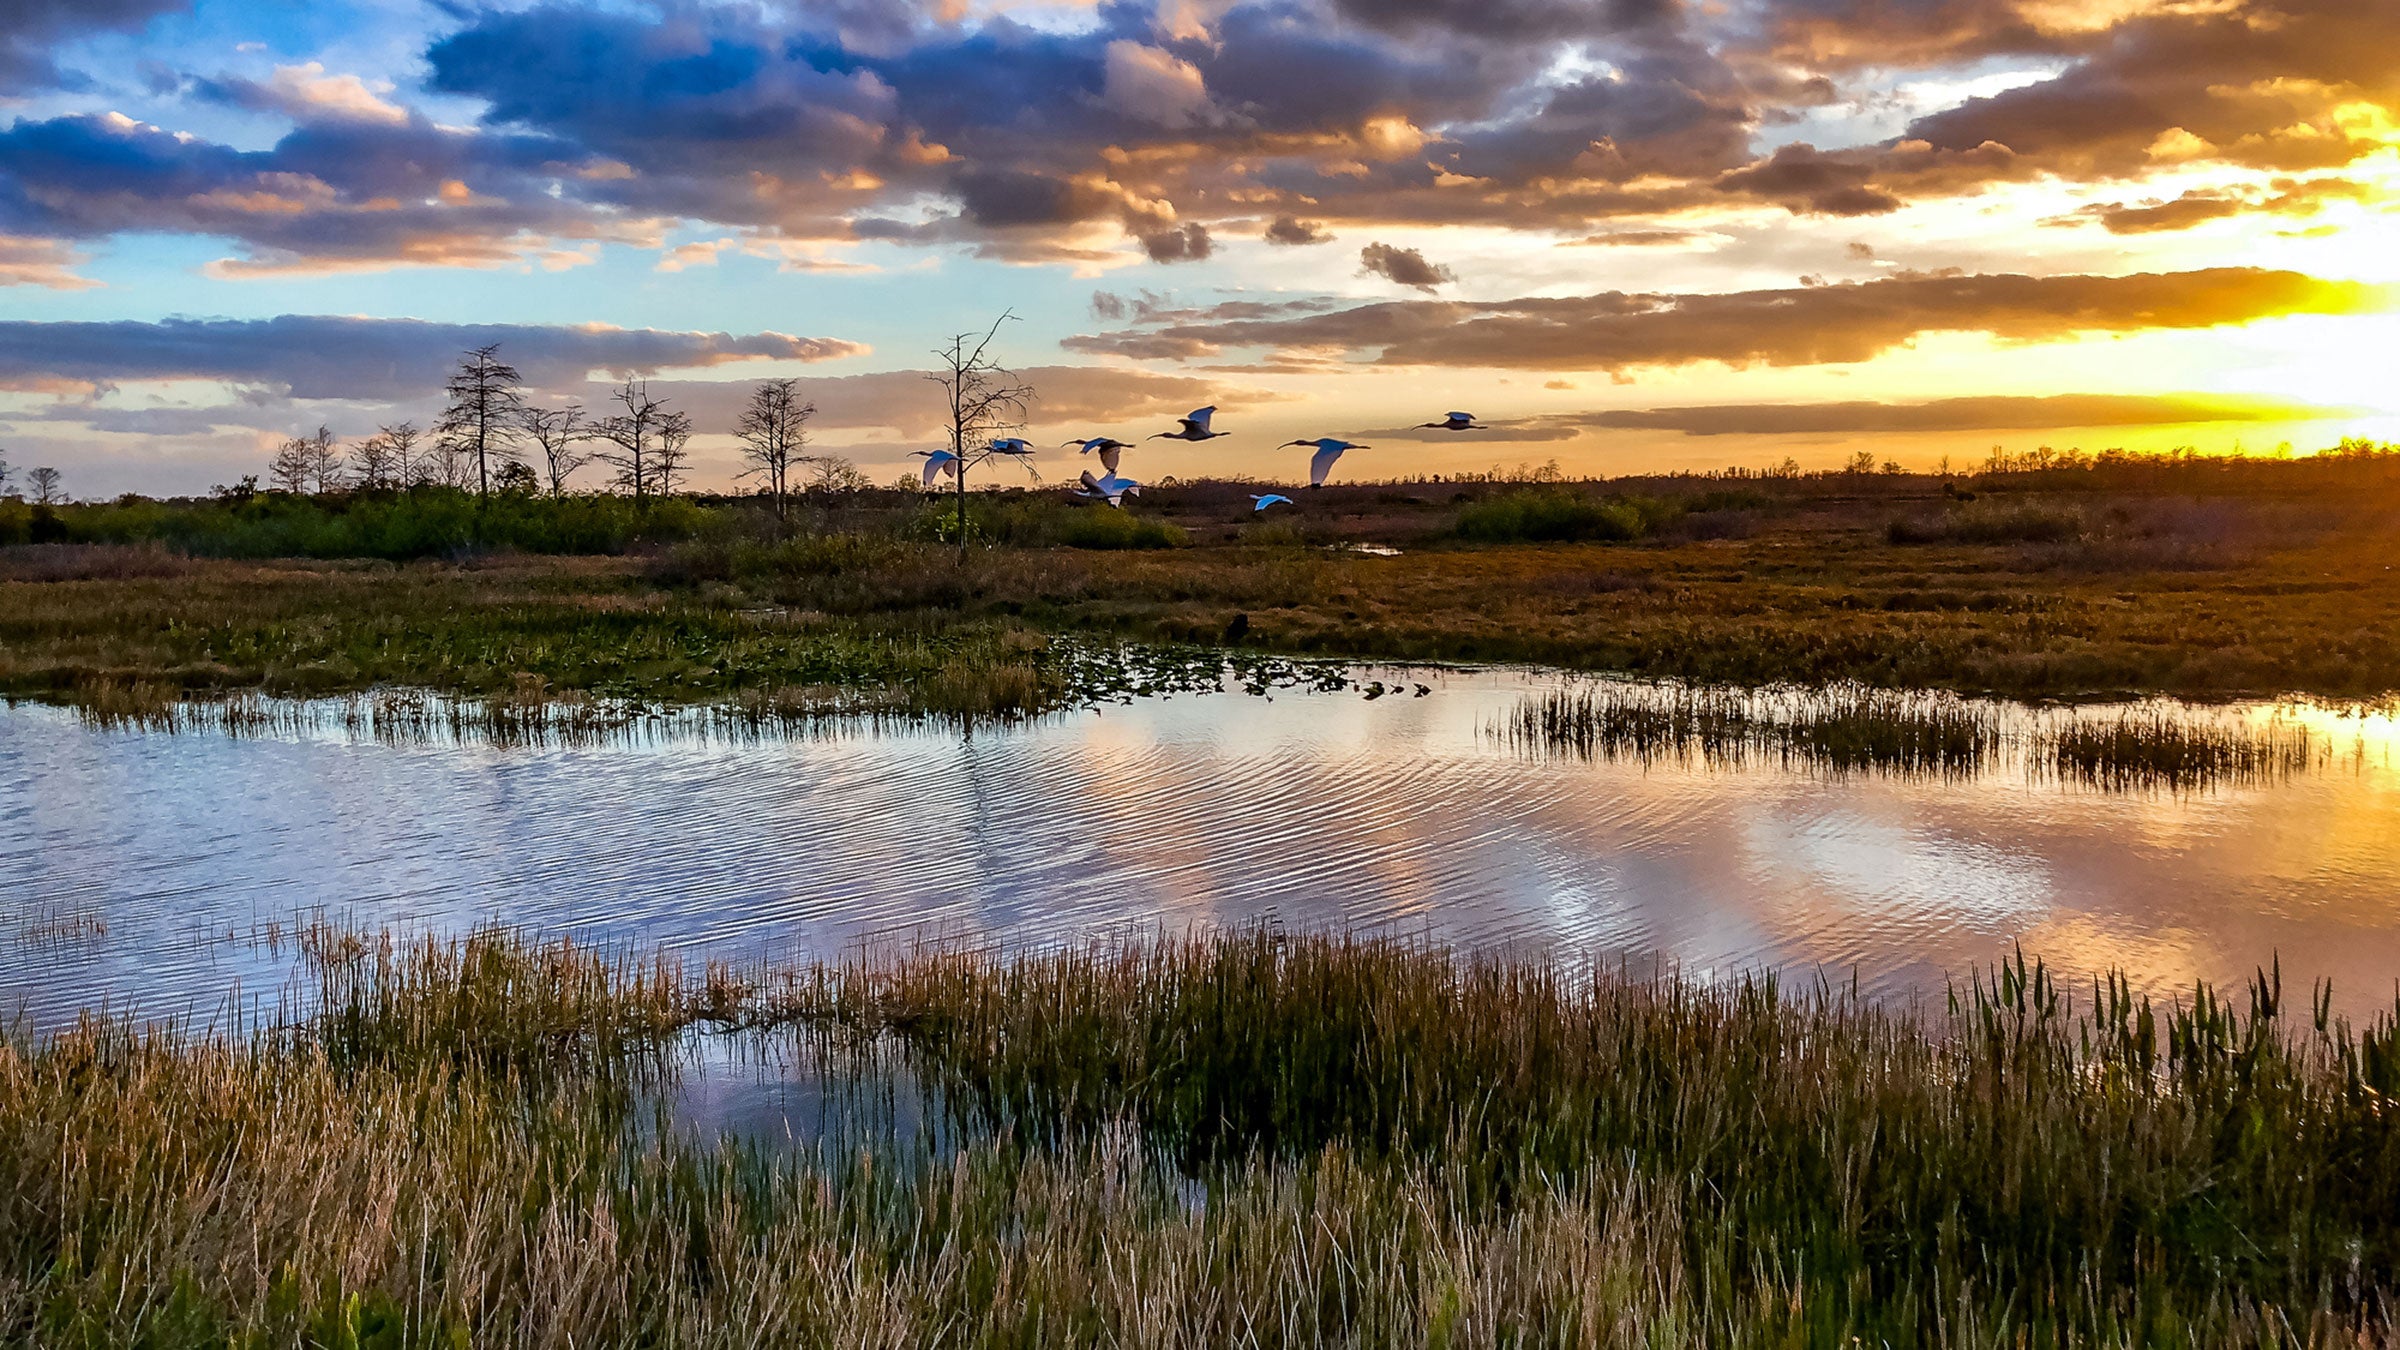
(1240, 1139)
(1056, 676)
(1848, 728)
(1844, 728)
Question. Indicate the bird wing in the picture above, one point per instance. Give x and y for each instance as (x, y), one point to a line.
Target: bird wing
(1321, 463)
(1198, 421)
(933, 468)
(1461, 417)
(1110, 453)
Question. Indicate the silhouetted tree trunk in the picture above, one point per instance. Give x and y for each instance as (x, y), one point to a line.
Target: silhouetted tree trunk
(984, 397)
(772, 431)
(556, 432)
(634, 434)
(485, 408)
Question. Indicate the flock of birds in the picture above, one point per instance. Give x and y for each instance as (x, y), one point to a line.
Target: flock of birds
(1111, 487)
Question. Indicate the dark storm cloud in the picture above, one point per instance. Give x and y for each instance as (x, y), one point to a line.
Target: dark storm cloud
(318, 357)
(30, 29)
(1809, 325)
(1404, 265)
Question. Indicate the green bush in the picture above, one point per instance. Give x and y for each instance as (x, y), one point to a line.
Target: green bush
(1100, 527)
(1557, 514)
(421, 523)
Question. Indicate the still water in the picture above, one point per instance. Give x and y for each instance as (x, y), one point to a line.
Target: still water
(138, 869)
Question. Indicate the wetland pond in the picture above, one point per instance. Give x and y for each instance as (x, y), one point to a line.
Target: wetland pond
(1663, 829)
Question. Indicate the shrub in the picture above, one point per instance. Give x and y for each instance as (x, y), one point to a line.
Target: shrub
(1991, 523)
(424, 522)
(1550, 514)
(1099, 527)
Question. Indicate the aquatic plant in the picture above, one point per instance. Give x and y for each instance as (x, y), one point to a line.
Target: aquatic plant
(1242, 1139)
(2155, 749)
(1843, 728)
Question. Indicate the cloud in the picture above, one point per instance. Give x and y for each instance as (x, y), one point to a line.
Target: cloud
(1149, 85)
(317, 357)
(1978, 413)
(40, 262)
(1186, 243)
(817, 125)
(305, 93)
(1404, 265)
(1293, 231)
(31, 30)
(1808, 325)
(2285, 197)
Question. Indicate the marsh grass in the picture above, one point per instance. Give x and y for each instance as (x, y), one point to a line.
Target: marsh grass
(2155, 749)
(1013, 680)
(1850, 729)
(1245, 1139)
(1842, 729)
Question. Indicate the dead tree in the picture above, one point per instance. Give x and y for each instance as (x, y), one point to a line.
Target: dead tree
(984, 397)
(668, 465)
(556, 433)
(772, 431)
(633, 437)
(486, 405)
(46, 484)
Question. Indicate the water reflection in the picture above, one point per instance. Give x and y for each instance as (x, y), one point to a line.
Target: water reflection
(134, 865)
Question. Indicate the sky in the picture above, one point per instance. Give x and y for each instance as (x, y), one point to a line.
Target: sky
(1630, 235)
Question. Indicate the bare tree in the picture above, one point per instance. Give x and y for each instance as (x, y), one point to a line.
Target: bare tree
(633, 436)
(406, 445)
(44, 482)
(832, 473)
(306, 464)
(674, 433)
(375, 462)
(557, 433)
(772, 431)
(7, 471)
(486, 405)
(984, 397)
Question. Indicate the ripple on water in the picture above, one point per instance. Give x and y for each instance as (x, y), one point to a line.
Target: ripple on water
(1308, 809)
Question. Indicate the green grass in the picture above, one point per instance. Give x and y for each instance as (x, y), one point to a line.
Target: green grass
(1246, 1139)
(1842, 728)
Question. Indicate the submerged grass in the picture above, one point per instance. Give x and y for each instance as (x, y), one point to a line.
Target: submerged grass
(1237, 1140)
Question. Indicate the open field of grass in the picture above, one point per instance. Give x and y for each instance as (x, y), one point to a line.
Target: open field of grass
(2283, 588)
(1244, 1140)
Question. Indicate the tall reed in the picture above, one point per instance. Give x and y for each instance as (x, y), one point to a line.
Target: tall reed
(1245, 1139)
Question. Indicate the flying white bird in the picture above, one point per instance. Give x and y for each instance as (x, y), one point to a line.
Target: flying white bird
(1109, 448)
(1111, 489)
(1456, 421)
(1261, 501)
(1328, 450)
(937, 463)
(1195, 427)
(1011, 445)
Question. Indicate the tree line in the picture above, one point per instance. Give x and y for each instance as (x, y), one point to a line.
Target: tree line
(491, 438)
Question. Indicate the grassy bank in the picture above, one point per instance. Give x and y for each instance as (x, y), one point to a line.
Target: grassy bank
(1246, 1140)
(1885, 581)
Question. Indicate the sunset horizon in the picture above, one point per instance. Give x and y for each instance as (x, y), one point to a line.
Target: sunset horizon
(1632, 237)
